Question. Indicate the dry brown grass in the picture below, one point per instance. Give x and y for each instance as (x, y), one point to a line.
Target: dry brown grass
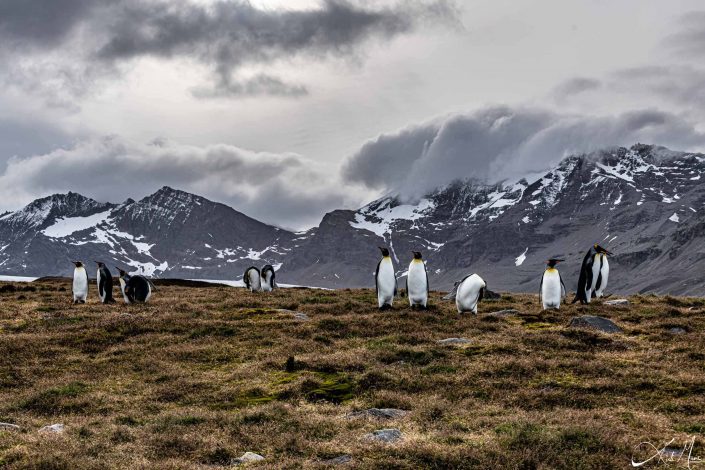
(199, 376)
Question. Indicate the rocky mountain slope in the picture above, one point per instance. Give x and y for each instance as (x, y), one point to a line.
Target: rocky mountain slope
(646, 203)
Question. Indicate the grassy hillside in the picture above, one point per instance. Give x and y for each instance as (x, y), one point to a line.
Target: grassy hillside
(202, 375)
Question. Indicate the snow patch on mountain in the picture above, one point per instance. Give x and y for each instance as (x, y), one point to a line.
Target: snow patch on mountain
(380, 215)
(64, 226)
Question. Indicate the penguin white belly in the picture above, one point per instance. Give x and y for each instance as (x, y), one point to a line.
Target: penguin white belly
(101, 292)
(149, 291)
(80, 285)
(417, 284)
(255, 280)
(386, 283)
(551, 289)
(267, 283)
(122, 289)
(468, 294)
(604, 276)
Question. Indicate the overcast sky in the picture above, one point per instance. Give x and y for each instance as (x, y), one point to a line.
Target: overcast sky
(286, 109)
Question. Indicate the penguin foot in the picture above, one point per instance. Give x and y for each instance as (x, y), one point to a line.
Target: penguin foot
(386, 307)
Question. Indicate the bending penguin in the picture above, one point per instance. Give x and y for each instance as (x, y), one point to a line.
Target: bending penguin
(467, 293)
(104, 280)
(252, 279)
(594, 274)
(267, 278)
(417, 282)
(385, 281)
(552, 289)
(80, 283)
(134, 288)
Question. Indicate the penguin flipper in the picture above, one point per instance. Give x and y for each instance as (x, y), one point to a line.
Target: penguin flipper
(564, 293)
(376, 276)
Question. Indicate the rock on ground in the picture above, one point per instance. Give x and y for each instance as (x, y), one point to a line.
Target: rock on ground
(617, 302)
(382, 413)
(454, 341)
(9, 427)
(505, 313)
(596, 323)
(387, 436)
(246, 458)
(343, 459)
(677, 330)
(53, 428)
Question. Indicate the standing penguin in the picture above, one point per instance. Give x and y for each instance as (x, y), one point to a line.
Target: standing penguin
(604, 275)
(552, 289)
(417, 282)
(105, 284)
(252, 279)
(134, 288)
(591, 272)
(385, 281)
(80, 283)
(267, 278)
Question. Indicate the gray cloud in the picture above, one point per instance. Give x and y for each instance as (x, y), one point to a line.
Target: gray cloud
(501, 142)
(689, 40)
(282, 189)
(78, 40)
(575, 86)
(258, 85)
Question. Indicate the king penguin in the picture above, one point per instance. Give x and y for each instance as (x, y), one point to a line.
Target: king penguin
(552, 289)
(385, 281)
(80, 283)
(267, 278)
(417, 282)
(134, 288)
(468, 293)
(252, 279)
(104, 280)
(591, 272)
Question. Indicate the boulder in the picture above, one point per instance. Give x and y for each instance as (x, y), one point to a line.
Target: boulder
(380, 413)
(454, 341)
(617, 302)
(340, 460)
(386, 436)
(596, 323)
(53, 428)
(247, 457)
(9, 427)
(505, 313)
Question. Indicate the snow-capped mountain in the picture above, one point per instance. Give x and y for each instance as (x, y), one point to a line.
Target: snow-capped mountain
(646, 203)
(170, 233)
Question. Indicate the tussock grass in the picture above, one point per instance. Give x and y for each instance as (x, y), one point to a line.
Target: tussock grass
(201, 375)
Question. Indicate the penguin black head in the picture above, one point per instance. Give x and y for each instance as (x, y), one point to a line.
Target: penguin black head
(100, 264)
(385, 252)
(417, 254)
(122, 273)
(599, 249)
(78, 264)
(553, 262)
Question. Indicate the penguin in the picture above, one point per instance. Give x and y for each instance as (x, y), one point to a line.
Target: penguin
(252, 279)
(604, 274)
(80, 283)
(104, 279)
(552, 288)
(590, 278)
(417, 282)
(135, 289)
(267, 278)
(385, 281)
(468, 293)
